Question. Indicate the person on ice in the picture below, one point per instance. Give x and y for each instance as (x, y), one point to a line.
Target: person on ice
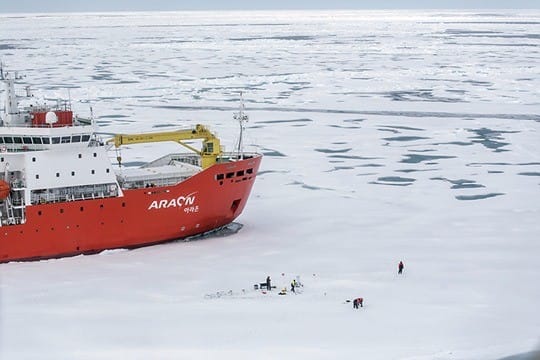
(358, 301)
(400, 267)
(293, 285)
(268, 285)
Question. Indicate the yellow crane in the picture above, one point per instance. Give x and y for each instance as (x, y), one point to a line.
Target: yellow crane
(209, 153)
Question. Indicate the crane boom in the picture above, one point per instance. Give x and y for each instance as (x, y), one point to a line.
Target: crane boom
(211, 147)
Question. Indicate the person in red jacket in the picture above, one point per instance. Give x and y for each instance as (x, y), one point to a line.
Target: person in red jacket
(358, 301)
(400, 267)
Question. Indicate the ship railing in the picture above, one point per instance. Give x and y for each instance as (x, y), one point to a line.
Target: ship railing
(150, 182)
(235, 156)
(188, 158)
(75, 193)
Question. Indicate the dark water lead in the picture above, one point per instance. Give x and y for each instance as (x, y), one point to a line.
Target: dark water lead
(330, 151)
(309, 187)
(419, 95)
(461, 183)
(284, 121)
(478, 197)
(352, 157)
(406, 171)
(491, 139)
(459, 143)
(354, 121)
(532, 355)
(163, 125)
(405, 138)
(291, 37)
(337, 168)
(413, 114)
(345, 127)
(271, 152)
(531, 173)
(113, 116)
(397, 179)
(272, 172)
(402, 128)
(103, 76)
(393, 181)
(415, 158)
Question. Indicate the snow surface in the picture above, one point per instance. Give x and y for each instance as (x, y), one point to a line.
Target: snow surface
(388, 135)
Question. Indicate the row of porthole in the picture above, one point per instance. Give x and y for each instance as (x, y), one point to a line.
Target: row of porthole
(73, 173)
(80, 157)
(230, 175)
(34, 159)
(67, 227)
(101, 206)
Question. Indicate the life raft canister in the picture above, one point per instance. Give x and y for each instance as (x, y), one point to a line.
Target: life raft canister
(4, 189)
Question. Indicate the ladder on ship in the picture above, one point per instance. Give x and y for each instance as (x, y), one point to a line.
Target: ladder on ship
(16, 207)
(13, 207)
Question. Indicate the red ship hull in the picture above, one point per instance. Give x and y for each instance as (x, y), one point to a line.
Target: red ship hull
(141, 217)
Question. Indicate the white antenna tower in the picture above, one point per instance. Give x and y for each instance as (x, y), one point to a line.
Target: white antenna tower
(242, 119)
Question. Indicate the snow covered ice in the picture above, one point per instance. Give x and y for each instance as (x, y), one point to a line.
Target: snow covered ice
(388, 135)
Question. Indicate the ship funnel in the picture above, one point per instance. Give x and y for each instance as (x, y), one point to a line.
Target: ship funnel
(51, 118)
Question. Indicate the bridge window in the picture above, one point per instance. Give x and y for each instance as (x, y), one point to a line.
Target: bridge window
(56, 140)
(46, 140)
(85, 138)
(17, 140)
(1, 140)
(8, 139)
(76, 138)
(27, 140)
(66, 139)
(36, 140)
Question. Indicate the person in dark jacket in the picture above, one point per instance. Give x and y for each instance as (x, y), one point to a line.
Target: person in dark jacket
(268, 285)
(400, 267)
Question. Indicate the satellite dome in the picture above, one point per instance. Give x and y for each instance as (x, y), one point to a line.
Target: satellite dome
(51, 118)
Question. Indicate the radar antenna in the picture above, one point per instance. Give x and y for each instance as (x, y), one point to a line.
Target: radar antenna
(242, 119)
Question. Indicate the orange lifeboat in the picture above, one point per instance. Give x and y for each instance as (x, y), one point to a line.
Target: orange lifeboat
(4, 189)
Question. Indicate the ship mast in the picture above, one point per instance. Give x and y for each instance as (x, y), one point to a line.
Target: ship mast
(242, 119)
(12, 115)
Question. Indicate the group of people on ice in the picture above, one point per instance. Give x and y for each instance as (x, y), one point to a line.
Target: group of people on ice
(357, 302)
(295, 284)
